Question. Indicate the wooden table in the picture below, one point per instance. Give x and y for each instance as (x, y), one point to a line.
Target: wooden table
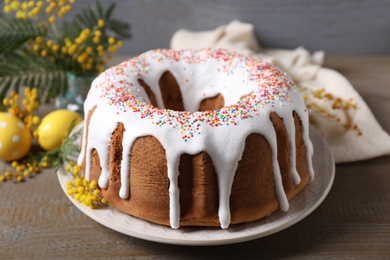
(37, 220)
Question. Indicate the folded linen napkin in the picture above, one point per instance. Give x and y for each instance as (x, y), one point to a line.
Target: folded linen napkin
(336, 109)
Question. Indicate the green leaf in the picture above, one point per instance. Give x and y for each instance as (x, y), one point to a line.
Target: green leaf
(92, 16)
(17, 71)
(88, 18)
(14, 33)
(120, 28)
(100, 8)
(109, 12)
(20, 67)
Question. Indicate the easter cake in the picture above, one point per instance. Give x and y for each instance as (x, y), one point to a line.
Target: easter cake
(202, 137)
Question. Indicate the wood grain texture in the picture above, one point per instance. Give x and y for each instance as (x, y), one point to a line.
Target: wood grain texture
(335, 26)
(37, 221)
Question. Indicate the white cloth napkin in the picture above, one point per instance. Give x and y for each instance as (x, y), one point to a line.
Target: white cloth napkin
(367, 140)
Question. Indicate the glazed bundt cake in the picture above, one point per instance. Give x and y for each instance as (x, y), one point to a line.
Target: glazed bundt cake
(202, 137)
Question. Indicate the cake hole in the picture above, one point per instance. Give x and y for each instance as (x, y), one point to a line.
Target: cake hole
(170, 92)
(172, 98)
(149, 92)
(212, 103)
(244, 96)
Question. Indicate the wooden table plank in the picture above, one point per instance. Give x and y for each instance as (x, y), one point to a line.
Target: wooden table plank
(37, 221)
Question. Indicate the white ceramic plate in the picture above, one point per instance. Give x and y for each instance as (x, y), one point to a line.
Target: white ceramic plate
(300, 207)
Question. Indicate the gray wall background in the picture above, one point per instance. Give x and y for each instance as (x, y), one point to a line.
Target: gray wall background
(336, 26)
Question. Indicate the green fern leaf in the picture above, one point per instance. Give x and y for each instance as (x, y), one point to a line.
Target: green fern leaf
(17, 71)
(88, 18)
(109, 12)
(119, 28)
(14, 33)
(100, 9)
(20, 68)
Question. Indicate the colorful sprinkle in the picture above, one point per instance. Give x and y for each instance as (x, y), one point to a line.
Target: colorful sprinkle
(273, 86)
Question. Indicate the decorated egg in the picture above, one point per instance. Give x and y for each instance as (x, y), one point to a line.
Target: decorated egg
(54, 128)
(15, 138)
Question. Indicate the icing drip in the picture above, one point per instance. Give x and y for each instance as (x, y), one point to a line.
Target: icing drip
(200, 74)
(224, 205)
(173, 174)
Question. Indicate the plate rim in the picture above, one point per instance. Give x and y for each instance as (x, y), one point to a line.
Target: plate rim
(98, 215)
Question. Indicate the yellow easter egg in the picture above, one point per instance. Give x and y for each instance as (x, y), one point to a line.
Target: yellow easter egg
(15, 138)
(54, 127)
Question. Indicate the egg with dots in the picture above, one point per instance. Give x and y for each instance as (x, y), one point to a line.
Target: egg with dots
(15, 138)
(54, 128)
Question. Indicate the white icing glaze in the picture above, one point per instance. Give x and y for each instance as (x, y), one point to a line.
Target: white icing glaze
(201, 74)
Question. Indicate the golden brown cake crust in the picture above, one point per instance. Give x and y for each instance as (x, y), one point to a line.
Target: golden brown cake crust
(252, 196)
(248, 140)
